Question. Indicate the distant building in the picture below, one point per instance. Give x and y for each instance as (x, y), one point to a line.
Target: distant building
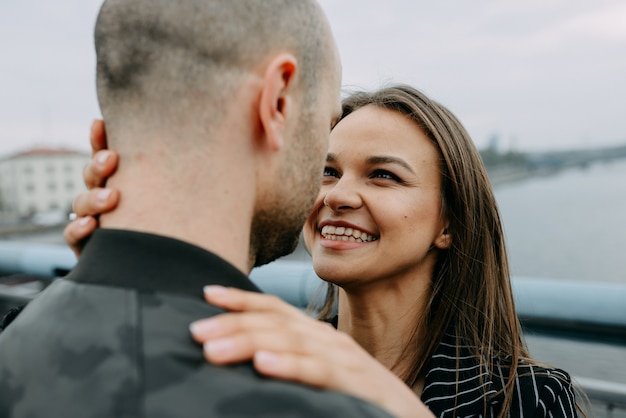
(40, 180)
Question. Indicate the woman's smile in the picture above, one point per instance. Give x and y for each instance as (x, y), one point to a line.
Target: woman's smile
(343, 232)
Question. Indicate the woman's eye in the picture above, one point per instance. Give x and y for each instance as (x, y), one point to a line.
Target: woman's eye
(330, 172)
(384, 174)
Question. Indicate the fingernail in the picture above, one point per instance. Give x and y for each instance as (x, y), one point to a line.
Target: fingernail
(83, 221)
(102, 157)
(214, 290)
(203, 327)
(103, 195)
(218, 347)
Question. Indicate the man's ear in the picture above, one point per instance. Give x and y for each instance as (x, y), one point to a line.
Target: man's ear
(275, 104)
(444, 239)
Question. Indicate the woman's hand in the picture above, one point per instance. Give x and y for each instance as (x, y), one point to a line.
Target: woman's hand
(97, 199)
(285, 343)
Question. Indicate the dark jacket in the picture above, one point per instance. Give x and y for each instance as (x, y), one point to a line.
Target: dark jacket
(111, 340)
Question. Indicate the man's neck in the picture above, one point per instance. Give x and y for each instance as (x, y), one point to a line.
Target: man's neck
(215, 219)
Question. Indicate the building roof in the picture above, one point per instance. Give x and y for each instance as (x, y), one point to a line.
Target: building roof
(43, 151)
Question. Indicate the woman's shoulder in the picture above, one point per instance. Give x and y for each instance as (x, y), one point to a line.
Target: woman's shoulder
(547, 389)
(459, 383)
(532, 371)
(539, 390)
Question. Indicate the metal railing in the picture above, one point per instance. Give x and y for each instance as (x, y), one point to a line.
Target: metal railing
(611, 394)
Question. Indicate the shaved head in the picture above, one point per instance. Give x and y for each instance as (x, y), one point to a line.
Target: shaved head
(201, 96)
(163, 59)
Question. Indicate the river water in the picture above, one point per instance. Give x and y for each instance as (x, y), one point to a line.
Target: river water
(571, 225)
(568, 225)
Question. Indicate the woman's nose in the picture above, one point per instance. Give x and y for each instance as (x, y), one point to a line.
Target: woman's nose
(343, 195)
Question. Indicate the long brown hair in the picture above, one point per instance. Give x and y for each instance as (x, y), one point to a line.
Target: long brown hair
(471, 292)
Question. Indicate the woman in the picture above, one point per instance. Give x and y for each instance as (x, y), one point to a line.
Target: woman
(407, 233)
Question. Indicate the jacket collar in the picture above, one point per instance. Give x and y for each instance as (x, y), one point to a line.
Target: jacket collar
(149, 262)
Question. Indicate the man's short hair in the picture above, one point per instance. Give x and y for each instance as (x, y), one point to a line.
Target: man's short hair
(170, 53)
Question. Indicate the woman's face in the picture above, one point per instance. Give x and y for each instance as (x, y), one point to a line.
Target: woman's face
(378, 214)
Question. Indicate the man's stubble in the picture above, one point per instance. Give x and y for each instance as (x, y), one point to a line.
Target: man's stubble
(277, 227)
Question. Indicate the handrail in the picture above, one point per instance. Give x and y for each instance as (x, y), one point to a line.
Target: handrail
(611, 393)
(44, 260)
(577, 309)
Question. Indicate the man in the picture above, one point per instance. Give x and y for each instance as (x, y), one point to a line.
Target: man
(224, 108)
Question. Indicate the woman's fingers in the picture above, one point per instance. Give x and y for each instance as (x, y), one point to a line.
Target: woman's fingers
(237, 300)
(309, 370)
(76, 231)
(103, 161)
(102, 166)
(235, 337)
(227, 324)
(86, 205)
(257, 321)
(244, 323)
(242, 346)
(95, 201)
(98, 137)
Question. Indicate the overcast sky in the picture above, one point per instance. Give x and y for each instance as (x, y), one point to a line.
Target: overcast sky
(539, 74)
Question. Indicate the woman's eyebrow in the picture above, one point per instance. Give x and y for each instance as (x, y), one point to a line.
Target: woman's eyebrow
(385, 159)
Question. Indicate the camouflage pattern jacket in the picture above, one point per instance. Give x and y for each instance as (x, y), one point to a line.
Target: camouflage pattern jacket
(111, 339)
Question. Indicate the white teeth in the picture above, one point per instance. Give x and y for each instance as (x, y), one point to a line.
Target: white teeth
(341, 233)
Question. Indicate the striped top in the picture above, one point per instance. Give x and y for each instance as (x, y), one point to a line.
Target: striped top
(539, 391)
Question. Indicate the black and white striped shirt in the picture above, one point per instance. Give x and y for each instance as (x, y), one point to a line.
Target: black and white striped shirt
(539, 391)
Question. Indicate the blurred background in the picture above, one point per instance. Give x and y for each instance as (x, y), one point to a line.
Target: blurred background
(539, 85)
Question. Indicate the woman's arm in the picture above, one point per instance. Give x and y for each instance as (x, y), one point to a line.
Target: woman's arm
(284, 343)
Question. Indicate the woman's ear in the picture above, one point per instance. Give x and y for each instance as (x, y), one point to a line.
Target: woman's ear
(275, 104)
(444, 239)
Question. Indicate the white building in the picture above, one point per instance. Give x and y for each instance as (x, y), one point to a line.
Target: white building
(40, 180)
